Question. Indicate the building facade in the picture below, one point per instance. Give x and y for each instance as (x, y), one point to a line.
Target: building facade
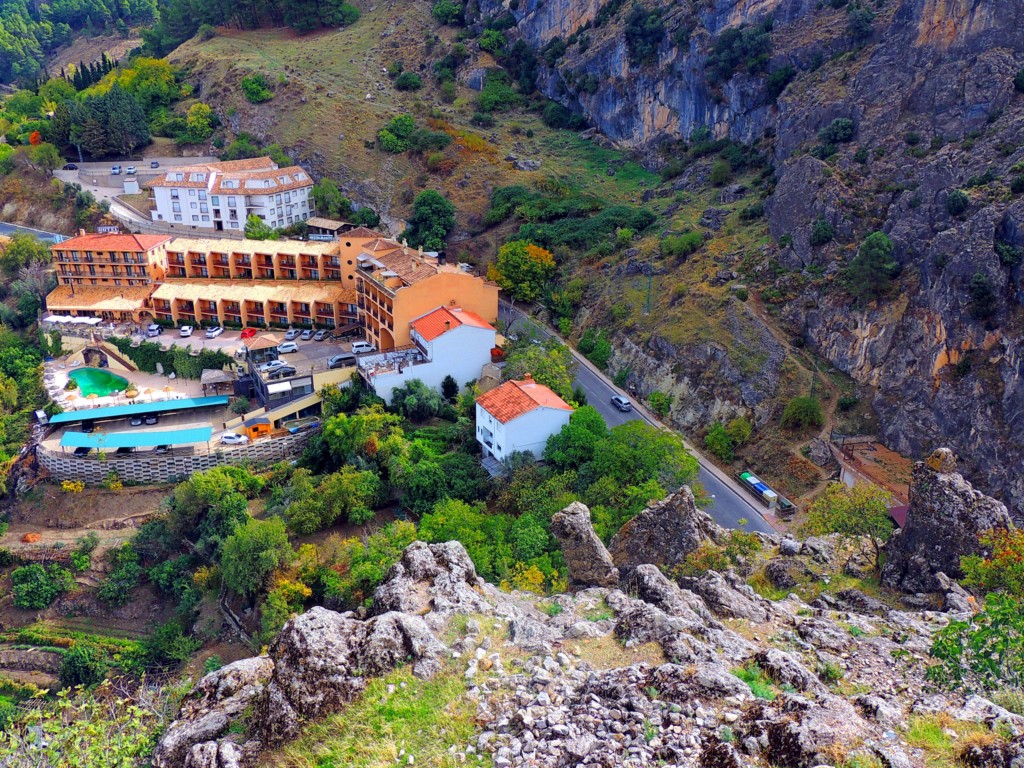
(519, 416)
(221, 196)
(448, 341)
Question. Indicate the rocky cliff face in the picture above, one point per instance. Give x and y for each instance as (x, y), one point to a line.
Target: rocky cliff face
(929, 90)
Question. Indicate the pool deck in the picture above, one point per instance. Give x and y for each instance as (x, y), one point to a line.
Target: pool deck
(160, 387)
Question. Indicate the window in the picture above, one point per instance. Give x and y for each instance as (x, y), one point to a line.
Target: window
(179, 177)
(176, 207)
(277, 199)
(232, 202)
(206, 218)
(174, 194)
(215, 200)
(204, 208)
(202, 194)
(177, 217)
(191, 193)
(287, 197)
(193, 206)
(195, 217)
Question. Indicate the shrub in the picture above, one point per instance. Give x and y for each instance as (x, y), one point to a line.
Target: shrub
(448, 12)
(35, 587)
(1017, 185)
(859, 23)
(720, 172)
(595, 347)
(682, 245)
(983, 298)
(870, 273)
(821, 232)
(256, 89)
(124, 576)
(739, 429)
(557, 116)
(838, 131)
(660, 403)
(169, 646)
(985, 652)
(644, 32)
(497, 94)
(779, 79)
(206, 32)
(83, 664)
(408, 81)
(706, 557)
(492, 40)
(241, 405)
(802, 412)
(1009, 255)
(719, 442)
(72, 486)
(848, 402)
(740, 49)
(957, 202)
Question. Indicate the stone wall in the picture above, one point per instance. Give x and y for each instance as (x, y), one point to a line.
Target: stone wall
(145, 467)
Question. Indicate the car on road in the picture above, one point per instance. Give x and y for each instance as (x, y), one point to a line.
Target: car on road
(622, 403)
(343, 360)
(151, 419)
(320, 335)
(287, 347)
(115, 170)
(291, 334)
(282, 373)
(130, 170)
(70, 167)
(213, 333)
(230, 438)
(154, 163)
(161, 450)
(248, 333)
(154, 330)
(362, 347)
(186, 331)
(272, 365)
(135, 421)
(307, 334)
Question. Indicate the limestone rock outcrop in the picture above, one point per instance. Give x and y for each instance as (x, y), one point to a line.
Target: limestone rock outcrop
(945, 517)
(588, 560)
(664, 533)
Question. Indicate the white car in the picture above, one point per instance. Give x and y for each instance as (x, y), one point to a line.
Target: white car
(186, 331)
(273, 365)
(361, 347)
(288, 346)
(213, 333)
(230, 438)
(292, 333)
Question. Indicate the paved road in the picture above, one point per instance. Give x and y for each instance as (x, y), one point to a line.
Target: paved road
(730, 504)
(11, 229)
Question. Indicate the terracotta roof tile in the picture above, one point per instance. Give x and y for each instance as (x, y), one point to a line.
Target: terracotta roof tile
(363, 232)
(514, 398)
(97, 298)
(444, 319)
(98, 241)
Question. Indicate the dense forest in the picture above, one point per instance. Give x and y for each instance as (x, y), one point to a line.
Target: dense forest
(29, 30)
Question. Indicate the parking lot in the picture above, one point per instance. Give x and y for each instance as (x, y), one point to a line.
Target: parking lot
(311, 355)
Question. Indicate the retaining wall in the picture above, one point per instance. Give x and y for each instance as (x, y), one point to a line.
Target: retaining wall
(143, 467)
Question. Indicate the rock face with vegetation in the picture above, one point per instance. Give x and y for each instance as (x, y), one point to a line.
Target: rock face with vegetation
(706, 674)
(944, 521)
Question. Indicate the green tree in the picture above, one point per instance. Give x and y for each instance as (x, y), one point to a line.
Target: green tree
(256, 89)
(35, 586)
(21, 251)
(257, 229)
(957, 202)
(492, 40)
(1000, 567)
(635, 453)
(719, 442)
(984, 652)
(449, 388)
(802, 412)
(860, 511)
(551, 364)
(574, 445)
(869, 275)
(739, 429)
(408, 81)
(984, 301)
(126, 127)
(330, 201)
(523, 269)
(253, 552)
(448, 12)
(433, 217)
(123, 577)
(83, 664)
(45, 156)
(199, 122)
(822, 232)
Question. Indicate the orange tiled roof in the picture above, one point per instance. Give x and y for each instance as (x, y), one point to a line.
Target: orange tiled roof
(98, 241)
(514, 398)
(409, 265)
(363, 232)
(443, 319)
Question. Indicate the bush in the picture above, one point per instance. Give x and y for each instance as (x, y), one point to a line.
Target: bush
(720, 172)
(559, 117)
(1017, 184)
(779, 79)
(644, 33)
(821, 232)
(256, 89)
(408, 81)
(739, 429)
(957, 202)
(859, 23)
(492, 40)
(596, 347)
(682, 245)
(124, 576)
(870, 273)
(1008, 254)
(1002, 566)
(985, 652)
(660, 403)
(719, 442)
(740, 49)
(169, 646)
(984, 301)
(84, 664)
(35, 587)
(803, 412)
(448, 12)
(206, 32)
(838, 131)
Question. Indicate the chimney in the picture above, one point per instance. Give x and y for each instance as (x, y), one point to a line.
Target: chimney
(528, 378)
(447, 325)
(81, 232)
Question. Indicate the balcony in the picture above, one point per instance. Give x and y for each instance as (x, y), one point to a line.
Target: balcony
(220, 261)
(287, 262)
(176, 260)
(245, 274)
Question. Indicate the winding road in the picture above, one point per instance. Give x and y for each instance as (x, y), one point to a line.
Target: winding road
(731, 503)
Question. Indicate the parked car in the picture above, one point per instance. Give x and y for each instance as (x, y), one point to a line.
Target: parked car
(272, 365)
(213, 333)
(154, 164)
(88, 426)
(83, 451)
(307, 334)
(115, 170)
(130, 170)
(341, 361)
(304, 427)
(135, 421)
(154, 330)
(186, 331)
(622, 403)
(291, 334)
(248, 333)
(70, 167)
(160, 450)
(320, 335)
(362, 347)
(151, 419)
(282, 373)
(288, 346)
(230, 438)
(123, 450)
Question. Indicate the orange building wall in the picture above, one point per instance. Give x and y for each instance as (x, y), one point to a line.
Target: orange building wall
(473, 294)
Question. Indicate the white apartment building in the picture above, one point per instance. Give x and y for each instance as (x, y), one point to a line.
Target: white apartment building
(221, 196)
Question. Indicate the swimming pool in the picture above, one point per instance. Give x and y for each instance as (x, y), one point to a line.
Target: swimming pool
(97, 381)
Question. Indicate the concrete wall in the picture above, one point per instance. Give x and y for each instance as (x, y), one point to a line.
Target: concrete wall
(529, 432)
(145, 467)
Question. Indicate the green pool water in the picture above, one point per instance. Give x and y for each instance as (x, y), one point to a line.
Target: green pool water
(97, 381)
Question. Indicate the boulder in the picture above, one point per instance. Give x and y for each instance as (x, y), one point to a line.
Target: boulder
(650, 585)
(804, 733)
(664, 533)
(588, 561)
(785, 668)
(724, 599)
(945, 517)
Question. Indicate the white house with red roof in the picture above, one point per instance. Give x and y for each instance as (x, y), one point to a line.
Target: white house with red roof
(447, 341)
(519, 416)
